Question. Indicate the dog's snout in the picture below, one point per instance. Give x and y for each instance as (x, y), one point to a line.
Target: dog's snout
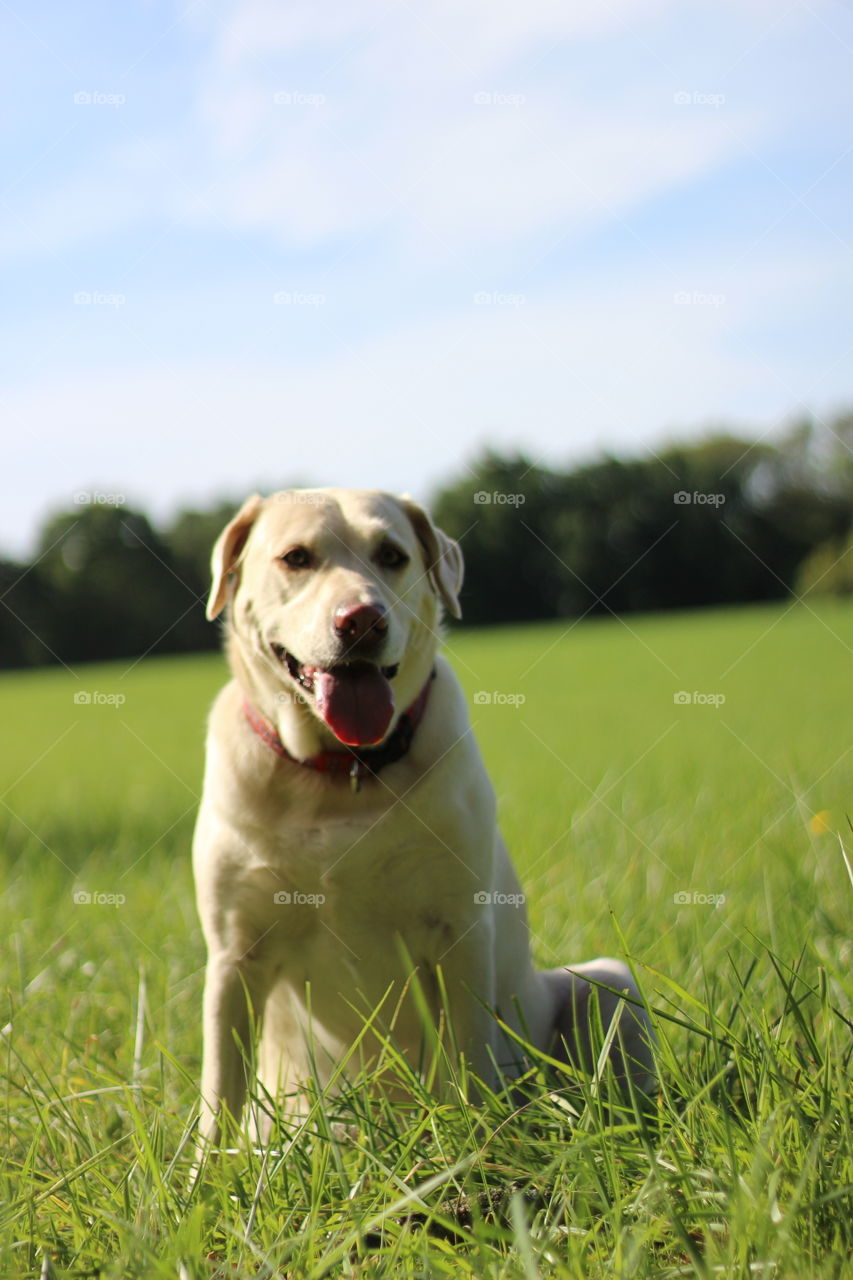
(361, 623)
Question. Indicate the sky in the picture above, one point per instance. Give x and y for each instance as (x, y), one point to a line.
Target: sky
(251, 243)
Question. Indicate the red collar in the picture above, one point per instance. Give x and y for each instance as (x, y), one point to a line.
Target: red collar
(354, 763)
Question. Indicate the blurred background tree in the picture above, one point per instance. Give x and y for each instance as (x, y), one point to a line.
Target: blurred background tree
(104, 584)
(720, 521)
(723, 520)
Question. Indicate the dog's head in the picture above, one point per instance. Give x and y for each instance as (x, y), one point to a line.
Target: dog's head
(334, 606)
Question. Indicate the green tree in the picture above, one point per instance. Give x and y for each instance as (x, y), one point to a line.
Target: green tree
(719, 521)
(190, 538)
(116, 589)
(27, 616)
(499, 515)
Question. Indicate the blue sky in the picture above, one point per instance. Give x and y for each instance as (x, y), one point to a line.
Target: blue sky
(247, 243)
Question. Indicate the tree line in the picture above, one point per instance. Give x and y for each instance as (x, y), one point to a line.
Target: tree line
(724, 520)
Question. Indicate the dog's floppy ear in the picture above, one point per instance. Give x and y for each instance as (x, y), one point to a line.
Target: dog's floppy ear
(226, 552)
(445, 566)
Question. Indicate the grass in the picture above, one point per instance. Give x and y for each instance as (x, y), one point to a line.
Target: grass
(614, 799)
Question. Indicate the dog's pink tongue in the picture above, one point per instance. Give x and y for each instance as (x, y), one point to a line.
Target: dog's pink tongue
(356, 702)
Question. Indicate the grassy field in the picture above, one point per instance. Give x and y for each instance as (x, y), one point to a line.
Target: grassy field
(698, 835)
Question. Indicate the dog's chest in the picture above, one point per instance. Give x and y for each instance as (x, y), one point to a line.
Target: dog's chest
(357, 888)
(365, 864)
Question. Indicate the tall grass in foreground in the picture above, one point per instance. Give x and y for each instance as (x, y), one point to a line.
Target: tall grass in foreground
(627, 814)
(744, 1167)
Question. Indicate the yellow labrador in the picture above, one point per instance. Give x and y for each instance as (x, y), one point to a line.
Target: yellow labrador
(348, 823)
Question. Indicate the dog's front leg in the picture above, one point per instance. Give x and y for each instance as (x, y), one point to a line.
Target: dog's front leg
(234, 995)
(468, 970)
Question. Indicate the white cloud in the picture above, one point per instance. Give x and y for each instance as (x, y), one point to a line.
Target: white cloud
(401, 195)
(443, 123)
(382, 129)
(498, 181)
(611, 369)
(479, 35)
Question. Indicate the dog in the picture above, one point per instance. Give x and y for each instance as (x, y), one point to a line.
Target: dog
(347, 845)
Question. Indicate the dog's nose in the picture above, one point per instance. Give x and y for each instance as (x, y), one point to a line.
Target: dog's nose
(356, 623)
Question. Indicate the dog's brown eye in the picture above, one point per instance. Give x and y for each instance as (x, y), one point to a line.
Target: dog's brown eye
(298, 558)
(390, 557)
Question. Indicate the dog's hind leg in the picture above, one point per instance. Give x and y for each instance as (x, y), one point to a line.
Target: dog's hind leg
(587, 997)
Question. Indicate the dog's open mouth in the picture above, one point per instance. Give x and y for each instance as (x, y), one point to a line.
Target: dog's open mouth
(355, 699)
